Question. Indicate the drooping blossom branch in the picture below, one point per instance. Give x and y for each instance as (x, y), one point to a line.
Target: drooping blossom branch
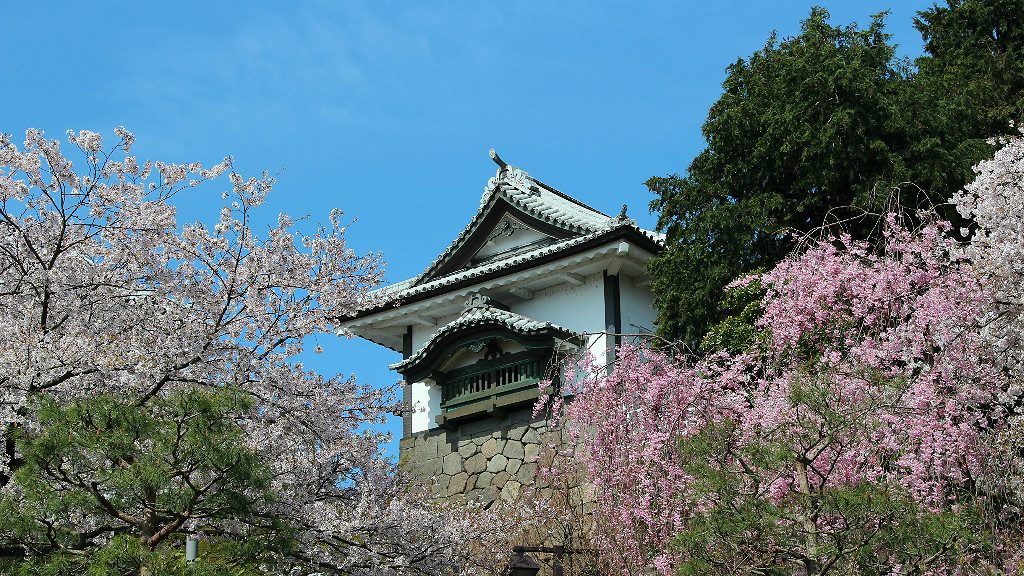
(858, 431)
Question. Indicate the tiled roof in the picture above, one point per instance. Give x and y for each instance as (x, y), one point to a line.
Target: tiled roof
(407, 288)
(479, 314)
(538, 200)
(534, 198)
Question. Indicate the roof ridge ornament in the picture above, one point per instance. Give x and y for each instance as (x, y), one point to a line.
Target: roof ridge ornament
(497, 159)
(477, 301)
(622, 219)
(508, 174)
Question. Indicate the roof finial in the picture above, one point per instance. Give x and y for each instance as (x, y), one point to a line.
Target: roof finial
(497, 159)
(621, 220)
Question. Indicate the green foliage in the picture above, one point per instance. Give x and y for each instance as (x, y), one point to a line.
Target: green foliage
(976, 62)
(773, 164)
(125, 555)
(108, 486)
(815, 130)
(862, 528)
(737, 331)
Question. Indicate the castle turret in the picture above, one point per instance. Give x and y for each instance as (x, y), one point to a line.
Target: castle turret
(536, 275)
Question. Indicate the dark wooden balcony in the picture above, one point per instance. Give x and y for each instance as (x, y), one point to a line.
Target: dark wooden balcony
(491, 386)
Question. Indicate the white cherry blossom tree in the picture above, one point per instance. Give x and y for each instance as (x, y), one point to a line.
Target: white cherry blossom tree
(994, 202)
(149, 385)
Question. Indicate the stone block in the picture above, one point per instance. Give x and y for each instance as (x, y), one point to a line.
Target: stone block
(484, 480)
(467, 448)
(531, 452)
(500, 478)
(514, 449)
(513, 465)
(431, 446)
(497, 463)
(476, 464)
(489, 495)
(452, 464)
(428, 467)
(406, 444)
(510, 491)
(457, 484)
(516, 432)
(489, 448)
(527, 473)
(531, 436)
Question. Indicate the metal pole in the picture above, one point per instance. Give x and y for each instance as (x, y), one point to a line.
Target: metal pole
(191, 549)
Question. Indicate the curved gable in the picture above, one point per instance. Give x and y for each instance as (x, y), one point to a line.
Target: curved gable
(513, 196)
(479, 325)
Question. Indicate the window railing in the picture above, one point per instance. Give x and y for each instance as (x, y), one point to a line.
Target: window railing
(492, 379)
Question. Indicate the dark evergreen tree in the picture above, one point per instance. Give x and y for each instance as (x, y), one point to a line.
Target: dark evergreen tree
(976, 58)
(108, 487)
(825, 128)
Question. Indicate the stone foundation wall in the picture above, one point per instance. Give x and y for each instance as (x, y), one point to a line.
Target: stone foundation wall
(483, 460)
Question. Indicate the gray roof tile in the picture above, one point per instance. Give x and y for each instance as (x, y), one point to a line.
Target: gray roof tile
(533, 197)
(481, 314)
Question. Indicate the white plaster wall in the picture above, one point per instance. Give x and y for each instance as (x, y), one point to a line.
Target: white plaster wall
(578, 308)
(637, 306)
(426, 405)
(421, 333)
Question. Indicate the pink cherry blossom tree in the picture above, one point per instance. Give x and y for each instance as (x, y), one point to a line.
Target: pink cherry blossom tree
(112, 313)
(871, 428)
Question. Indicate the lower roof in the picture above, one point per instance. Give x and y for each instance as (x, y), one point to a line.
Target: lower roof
(480, 313)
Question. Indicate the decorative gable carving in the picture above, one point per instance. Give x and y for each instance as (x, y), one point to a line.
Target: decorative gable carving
(508, 237)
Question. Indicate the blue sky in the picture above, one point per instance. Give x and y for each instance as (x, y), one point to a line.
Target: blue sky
(387, 109)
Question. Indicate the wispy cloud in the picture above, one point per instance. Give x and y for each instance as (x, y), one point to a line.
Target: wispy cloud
(347, 64)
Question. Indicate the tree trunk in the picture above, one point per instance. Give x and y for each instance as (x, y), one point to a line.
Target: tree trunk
(807, 521)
